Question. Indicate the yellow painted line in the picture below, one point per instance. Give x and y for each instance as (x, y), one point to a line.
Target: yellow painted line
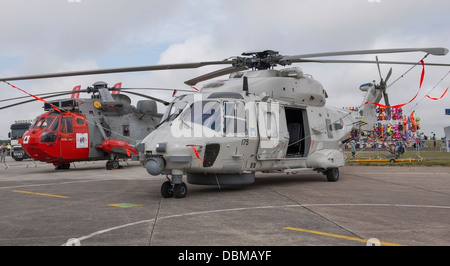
(370, 160)
(338, 236)
(40, 194)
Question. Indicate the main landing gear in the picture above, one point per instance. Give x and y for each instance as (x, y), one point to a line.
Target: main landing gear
(170, 189)
(113, 164)
(62, 166)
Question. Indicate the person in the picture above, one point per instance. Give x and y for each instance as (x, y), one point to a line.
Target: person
(391, 150)
(422, 140)
(3, 153)
(434, 140)
(353, 148)
(399, 149)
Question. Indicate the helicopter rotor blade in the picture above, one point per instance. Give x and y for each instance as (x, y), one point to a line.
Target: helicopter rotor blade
(155, 89)
(263, 60)
(388, 75)
(386, 98)
(118, 70)
(385, 95)
(379, 71)
(33, 100)
(62, 93)
(432, 51)
(383, 83)
(148, 97)
(42, 94)
(214, 74)
(367, 62)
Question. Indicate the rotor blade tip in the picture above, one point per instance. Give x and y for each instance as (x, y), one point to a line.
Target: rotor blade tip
(438, 51)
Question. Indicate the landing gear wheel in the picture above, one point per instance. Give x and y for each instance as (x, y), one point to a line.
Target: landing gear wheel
(332, 174)
(112, 164)
(109, 165)
(115, 164)
(180, 190)
(167, 189)
(62, 166)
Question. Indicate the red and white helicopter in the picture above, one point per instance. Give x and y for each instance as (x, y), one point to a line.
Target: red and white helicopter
(103, 127)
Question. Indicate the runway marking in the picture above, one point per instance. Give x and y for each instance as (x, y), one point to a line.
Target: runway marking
(249, 208)
(40, 194)
(338, 236)
(56, 183)
(125, 205)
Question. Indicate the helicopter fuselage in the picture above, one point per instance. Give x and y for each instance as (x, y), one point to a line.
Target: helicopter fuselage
(263, 121)
(89, 129)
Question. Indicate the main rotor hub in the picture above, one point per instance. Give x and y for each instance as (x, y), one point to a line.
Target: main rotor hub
(96, 86)
(259, 60)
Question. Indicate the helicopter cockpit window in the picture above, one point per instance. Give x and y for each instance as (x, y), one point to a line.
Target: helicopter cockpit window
(173, 111)
(55, 124)
(205, 113)
(49, 122)
(43, 122)
(234, 115)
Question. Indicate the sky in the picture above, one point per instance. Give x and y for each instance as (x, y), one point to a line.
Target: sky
(47, 36)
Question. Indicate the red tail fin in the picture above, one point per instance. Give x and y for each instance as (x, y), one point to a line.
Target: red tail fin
(117, 86)
(76, 95)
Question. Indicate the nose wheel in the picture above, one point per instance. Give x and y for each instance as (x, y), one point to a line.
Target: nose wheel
(168, 190)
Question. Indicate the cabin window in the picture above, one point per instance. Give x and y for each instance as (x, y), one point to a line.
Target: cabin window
(234, 118)
(80, 121)
(271, 125)
(126, 130)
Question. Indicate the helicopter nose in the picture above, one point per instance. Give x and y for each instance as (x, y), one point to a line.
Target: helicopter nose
(155, 165)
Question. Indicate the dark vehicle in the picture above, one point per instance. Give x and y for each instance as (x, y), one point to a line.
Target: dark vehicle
(17, 130)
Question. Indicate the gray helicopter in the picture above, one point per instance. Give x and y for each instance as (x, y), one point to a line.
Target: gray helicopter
(264, 120)
(260, 120)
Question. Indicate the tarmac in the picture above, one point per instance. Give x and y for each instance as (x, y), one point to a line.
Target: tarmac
(88, 205)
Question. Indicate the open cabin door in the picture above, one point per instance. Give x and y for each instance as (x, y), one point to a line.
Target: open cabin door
(298, 127)
(273, 134)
